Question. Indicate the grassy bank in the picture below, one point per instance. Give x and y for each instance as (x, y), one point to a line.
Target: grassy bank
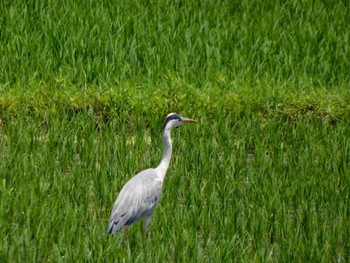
(264, 103)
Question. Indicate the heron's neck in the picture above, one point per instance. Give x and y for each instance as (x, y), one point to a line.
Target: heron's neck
(164, 163)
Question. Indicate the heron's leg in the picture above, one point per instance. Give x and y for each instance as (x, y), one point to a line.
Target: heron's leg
(125, 237)
(146, 222)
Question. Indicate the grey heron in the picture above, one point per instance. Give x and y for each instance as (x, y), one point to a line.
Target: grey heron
(140, 195)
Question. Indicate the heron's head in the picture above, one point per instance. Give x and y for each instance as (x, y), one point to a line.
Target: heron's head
(174, 120)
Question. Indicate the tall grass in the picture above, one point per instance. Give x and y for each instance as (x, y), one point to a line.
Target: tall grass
(302, 43)
(263, 176)
(239, 190)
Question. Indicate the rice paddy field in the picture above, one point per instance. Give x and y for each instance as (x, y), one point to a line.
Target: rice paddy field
(262, 177)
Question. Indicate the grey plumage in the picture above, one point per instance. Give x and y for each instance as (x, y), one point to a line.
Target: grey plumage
(137, 199)
(141, 194)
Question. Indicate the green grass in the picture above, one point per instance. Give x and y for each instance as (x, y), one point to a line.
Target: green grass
(299, 43)
(277, 58)
(263, 176)
(244, 191)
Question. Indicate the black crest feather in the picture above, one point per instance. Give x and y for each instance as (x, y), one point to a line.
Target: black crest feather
(171, 116)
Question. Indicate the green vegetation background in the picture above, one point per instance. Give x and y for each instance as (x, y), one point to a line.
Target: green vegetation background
(264, 176)
(157, 56)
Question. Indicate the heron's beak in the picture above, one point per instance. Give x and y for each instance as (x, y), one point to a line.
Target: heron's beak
(187, 120)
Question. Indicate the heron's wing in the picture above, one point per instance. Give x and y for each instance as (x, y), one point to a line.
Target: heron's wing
(137, 199)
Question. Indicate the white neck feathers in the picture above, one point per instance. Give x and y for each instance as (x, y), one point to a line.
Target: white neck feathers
(164, 163)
